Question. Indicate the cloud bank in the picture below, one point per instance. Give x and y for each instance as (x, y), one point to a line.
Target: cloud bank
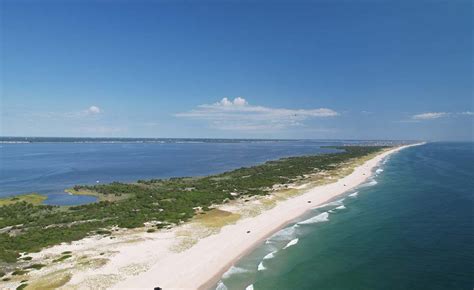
(438, 115)
(238, 114)
(430, 116)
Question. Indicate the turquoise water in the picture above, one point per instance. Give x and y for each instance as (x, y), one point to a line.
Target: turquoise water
(411, 227)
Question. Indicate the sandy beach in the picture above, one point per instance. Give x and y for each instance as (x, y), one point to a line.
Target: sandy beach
(188, 256)
(202, 265)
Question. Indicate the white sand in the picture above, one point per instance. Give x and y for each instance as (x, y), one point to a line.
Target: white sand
(203, 264)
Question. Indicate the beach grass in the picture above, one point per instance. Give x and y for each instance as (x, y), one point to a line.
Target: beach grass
(51, 281)
(217, 218)
(32, 198)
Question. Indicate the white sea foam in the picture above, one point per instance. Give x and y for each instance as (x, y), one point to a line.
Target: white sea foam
(284, 234)
(249, 287)
(340, 207)
(221, 286)
(234, 270)
(370, 183)
(323, 217)
(291, 243)
(378, 171)
(261, 267)
(354, 194)
(332, 203)
(269, 255)
(373, 182)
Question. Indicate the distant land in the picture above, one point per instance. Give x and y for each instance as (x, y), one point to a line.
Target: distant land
(8, 139)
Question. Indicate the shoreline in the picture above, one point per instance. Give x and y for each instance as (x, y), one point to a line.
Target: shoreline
(217, 253)
(195, 254)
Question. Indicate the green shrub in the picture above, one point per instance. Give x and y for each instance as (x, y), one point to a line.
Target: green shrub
(35, 266)
(19, 272)
(62, 258)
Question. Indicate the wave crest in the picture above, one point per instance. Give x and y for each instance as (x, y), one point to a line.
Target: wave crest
(234, 270)
(269, 255)
(323, 217)
(291, 243)
(354, 194)
(284, 234)
(221, 286)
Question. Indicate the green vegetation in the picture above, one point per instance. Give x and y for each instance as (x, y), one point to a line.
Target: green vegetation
(35, 266)
(19, 272)
(53, 280)
(217, 218)
(33, 198)
(25, 227)
(21, 287)
(62, 258)
(80, 190)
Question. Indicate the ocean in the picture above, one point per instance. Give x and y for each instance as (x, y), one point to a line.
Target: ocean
(51, 165)
(409, 227)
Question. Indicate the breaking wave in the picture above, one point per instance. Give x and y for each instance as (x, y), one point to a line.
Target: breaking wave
(269, 255)
(261, 267)
(332, 203)
(284, 234)
(234, 270)
(370, 183)
(291, 243)
(221, 286)
(249, 287)
(323, 217)
(354, 194)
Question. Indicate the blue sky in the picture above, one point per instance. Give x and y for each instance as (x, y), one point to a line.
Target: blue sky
(256, 69)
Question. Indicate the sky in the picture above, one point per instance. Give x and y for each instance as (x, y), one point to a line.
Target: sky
(237, 69)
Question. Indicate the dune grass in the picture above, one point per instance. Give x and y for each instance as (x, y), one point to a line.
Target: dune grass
(32, 198)
(217, 218)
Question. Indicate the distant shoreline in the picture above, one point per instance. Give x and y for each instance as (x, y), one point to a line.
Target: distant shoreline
(112, 140)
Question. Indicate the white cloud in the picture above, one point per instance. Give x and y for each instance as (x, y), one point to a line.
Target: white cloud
(430, 116)
(240, 101)
(238, 114)
(93, 110)
(436, 115)
(89, 112)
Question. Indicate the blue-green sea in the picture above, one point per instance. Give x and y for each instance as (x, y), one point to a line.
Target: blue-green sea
(410, 227)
